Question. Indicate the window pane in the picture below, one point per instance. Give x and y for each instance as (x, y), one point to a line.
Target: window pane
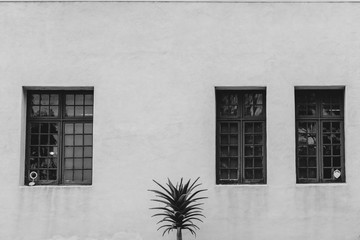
(319, 108)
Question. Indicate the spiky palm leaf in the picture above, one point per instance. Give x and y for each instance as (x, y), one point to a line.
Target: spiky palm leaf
(181, 207)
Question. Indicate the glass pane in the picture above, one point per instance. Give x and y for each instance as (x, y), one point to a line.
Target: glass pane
(34, 151)
(44, 111)
(233, 151)
(52, 175)
(88, 163)
(44, 128)
(224, 128)
(69, 152)
(233, 162)
(258, 151)
(34, 128)
(88, 99)
(335, 138)
(258, 110)
(78, 152)
(302, 162)
(326, 150)
(69, 128)
(35, 111)
(88, 128)
(326, 127)
(87, 175)
(69, 99)
(224, 152)
(249, 174)
(336, 150)
(311, 139)
(312, 161)
(69, 163)
(69, 140)
(88, 111)
(34, 140)
(249, 128)
(327, 161)
(224, 139)
(79, 111)
(249, 139)
(44, 151)
(258, 162)
(233, 127)
(78, 163)
(335, 127)
(258, 174)
(78, 139)
(43, 174)
(336, 162)
(327, 139)
(302, 173)
(224, 174)
(54, 111)
(79, 99)
(249, 162)
(78, 128)
(87, 151)
(327, 173)
(54, 128)
(44, 99)
(249, 150)
(229, 105)
(233, 174)
(54, 99)
(257, 127)
(234, 139)
(312, 150)
(258, 139)
(302, 150)
(312, 172)
(43, 163)
(87, 139)
(52, 162)
(68, 175)
(33, 163)
(224, 163)
(69, 111)
(35, 99)
(258, 98)
(44, 139)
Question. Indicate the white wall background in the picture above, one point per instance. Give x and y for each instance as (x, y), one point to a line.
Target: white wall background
(154, 67)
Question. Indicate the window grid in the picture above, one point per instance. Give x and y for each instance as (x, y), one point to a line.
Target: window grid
(241, 137)
(45, 151)
(320, 136)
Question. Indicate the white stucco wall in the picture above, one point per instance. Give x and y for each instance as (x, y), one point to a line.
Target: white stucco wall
(154, 67)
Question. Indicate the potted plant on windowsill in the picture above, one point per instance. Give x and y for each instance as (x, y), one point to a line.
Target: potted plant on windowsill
(181, 207)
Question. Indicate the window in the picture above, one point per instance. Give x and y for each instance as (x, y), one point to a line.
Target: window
(320, 136)
(240, 140)
(59, 137)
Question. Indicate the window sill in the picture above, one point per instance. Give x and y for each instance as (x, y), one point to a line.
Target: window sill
(56, 186)
(320, 184)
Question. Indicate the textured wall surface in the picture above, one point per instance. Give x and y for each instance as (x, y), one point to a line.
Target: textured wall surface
(154, 67)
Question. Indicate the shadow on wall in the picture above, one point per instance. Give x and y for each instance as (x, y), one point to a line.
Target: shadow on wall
(116, 236)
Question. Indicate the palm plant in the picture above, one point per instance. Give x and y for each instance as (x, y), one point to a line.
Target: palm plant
(181, 207)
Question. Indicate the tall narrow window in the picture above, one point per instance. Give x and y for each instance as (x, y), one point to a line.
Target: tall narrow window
(241, 141)
(320, 136)
(59, 137)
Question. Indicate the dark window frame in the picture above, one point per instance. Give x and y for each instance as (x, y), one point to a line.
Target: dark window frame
(241, 120)
(320, 119)
(60, 120)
